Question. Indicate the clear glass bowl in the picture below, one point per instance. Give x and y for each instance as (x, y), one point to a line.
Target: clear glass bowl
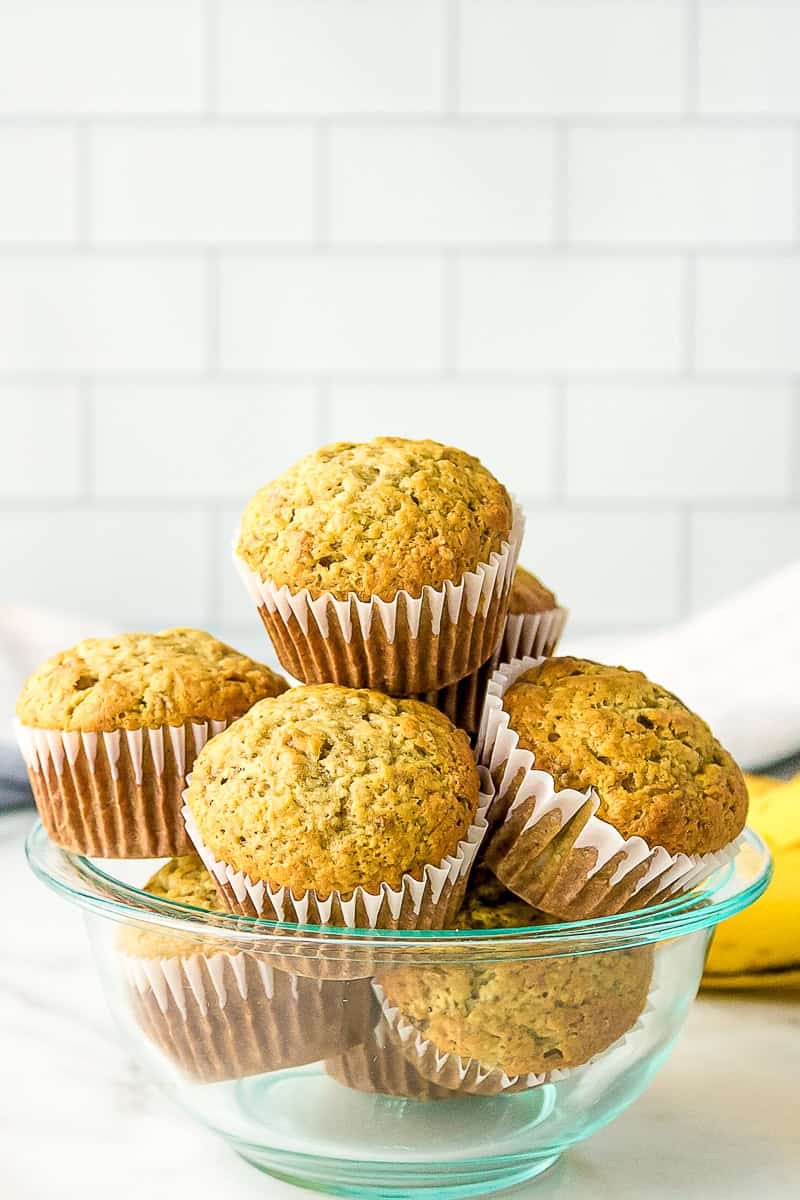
(274, 1037)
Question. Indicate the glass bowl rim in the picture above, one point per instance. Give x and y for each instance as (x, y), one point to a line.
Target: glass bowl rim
(83, 882)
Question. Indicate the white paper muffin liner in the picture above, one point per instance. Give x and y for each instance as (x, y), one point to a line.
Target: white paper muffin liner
(580, 865)
(378, 1066)
(416, 904)
(450, 1070)
(224, 1016)
(533, 635)
(403, 646)
(206, 979)
(115, 794)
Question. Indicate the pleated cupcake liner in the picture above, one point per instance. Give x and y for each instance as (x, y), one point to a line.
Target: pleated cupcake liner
(524, 633)
(469, 1076)
(448, 1070)
(533, 635)
(550, 848)
(378, 1067)
(430, 902)
(226, 1016)
(463, 701)
(115, 794)
(403, 646)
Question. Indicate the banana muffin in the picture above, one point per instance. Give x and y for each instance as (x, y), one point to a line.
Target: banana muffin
(655, 770)
(220, 1014)
(504, 1026)
(336, 795)
(183, 880)
(535, 620)
(110, 727)
(529, 594)
(392, 525)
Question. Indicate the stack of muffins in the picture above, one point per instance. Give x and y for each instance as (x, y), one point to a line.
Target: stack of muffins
(433, 733)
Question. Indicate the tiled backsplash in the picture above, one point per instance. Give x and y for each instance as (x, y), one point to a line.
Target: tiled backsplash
(565, 235)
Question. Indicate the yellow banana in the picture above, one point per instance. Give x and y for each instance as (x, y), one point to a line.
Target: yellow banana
(760, 947)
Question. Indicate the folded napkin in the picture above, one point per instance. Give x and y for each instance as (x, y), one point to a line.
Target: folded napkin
(736, 664)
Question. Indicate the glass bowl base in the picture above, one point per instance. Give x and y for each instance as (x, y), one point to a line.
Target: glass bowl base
(360, 1181)
(326, 1137)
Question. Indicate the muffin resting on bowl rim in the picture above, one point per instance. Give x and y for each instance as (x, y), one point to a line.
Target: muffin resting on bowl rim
(330, 805)
(218, 1014)
(487, 1027)
(613, 791)
(384, 564)
(110, 727)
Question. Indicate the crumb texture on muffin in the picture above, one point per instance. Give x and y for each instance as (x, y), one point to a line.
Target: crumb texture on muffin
(141, 680)
(528, 1016)
(330, 788)
(186, 881)
(522, 1016)
(657, 768)
(375, 518)
(529, 594)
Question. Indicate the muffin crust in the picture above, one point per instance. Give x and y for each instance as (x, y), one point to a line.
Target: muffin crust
(186, 881)
(522, 1016)
(374, 518)
(657, 768)
(144, 680)
(529, 595)
(330, 788)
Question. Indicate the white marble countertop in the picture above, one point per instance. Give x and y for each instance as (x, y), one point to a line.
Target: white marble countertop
(77, 1118)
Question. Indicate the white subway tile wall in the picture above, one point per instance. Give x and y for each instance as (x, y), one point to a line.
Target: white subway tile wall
(564, 234)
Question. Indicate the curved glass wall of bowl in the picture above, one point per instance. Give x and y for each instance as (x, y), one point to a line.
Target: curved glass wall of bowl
(276, 1037)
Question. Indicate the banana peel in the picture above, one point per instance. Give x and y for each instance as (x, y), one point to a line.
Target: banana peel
(760, 947)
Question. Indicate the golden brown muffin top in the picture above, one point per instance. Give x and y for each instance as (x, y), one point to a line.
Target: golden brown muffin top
(525, 1016)
(489, 905)
(375, 518)
(529, 595)
(186, 881)
(144, 680)
(658, 770)
(331, 788)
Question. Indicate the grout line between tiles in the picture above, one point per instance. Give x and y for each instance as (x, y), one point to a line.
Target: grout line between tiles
(450, 313)
(214, 562)
(561, 214)
(83, 186)
(561, 449)
(433, 118)
(685, 550)
(692, 51)
(321, 184)
(213, 314)
(266, 377)
(212, 58)
(530, 250)
(452, 41)
(87, 440)
(689, 314)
